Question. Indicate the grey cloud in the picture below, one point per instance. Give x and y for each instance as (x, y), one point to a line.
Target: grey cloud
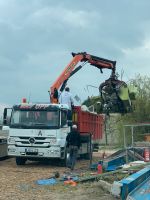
(37, 37)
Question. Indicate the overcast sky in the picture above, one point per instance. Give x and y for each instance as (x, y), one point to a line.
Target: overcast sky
(38, 36)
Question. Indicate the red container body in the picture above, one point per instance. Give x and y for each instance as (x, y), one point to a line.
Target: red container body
(88, 122)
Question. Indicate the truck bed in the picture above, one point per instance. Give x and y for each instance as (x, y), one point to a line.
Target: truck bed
(88, 122)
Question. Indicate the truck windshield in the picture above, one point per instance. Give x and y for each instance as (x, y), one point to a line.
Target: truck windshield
(35, 119)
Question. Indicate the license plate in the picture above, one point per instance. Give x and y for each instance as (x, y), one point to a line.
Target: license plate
(30, 150)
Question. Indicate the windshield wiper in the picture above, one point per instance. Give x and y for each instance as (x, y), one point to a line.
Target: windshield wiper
(39, 124)
(19, 125)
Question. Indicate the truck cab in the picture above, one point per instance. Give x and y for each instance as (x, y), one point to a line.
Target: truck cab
(38, 131)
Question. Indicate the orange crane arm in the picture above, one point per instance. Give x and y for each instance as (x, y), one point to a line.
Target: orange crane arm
(66, 73)
(69, 70)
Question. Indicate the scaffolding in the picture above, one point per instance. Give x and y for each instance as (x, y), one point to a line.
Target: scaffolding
(132, 132)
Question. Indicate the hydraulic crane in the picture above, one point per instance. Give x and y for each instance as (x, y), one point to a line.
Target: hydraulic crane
(72, 68)
(44, 127)
(111, 91)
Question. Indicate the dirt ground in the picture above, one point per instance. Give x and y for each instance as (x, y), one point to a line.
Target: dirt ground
(19, 182)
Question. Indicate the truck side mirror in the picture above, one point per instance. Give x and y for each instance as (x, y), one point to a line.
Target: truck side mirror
(6, 118)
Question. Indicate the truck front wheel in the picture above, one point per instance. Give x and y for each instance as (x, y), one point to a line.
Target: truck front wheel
(20, 161)
(64, 161)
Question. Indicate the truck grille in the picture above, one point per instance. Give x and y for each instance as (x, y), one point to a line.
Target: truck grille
(36, 138)
(33, 141)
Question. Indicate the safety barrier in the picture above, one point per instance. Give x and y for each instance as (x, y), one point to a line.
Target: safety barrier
(125, 186)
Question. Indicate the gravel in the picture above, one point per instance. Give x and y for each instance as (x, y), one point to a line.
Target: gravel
(19, 182)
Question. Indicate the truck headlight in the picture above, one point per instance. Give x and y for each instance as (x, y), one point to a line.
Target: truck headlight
(11, 140)
(11, 150)
(53, 141)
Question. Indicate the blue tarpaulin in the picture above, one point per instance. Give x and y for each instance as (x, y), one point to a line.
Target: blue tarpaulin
(50, 181)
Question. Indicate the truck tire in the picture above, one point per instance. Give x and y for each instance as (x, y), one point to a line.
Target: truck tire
(64, 161)
(87, 139)
(20, 161)
(88, 155)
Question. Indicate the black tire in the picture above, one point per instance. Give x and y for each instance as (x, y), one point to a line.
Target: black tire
(64, 162)
(88, 155)
(86, 139)
(20, 161)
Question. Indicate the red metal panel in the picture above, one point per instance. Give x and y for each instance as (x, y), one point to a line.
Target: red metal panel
(88, 122)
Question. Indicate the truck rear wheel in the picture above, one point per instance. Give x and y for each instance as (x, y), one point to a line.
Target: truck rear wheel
(88, 155)
(20, 160)
(87, 139)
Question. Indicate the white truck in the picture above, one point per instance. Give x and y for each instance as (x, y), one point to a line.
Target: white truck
(38, 131)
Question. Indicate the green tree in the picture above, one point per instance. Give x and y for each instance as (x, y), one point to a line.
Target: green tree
(94, 101)
(141, 107)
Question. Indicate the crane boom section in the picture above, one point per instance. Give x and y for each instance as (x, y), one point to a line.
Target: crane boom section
(82, 57)
(66, 72)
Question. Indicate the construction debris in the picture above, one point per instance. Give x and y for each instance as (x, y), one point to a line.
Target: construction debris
(105, 185)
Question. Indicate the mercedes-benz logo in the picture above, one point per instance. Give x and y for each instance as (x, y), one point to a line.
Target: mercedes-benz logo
(32, 140)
